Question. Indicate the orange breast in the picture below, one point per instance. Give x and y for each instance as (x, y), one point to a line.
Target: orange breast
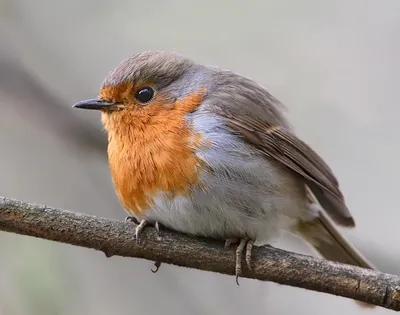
(151, 149)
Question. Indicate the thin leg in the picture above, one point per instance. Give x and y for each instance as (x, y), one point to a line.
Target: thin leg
(157, 226)
(140, 228)
(249, 247)
(239, 255)
(157, 264)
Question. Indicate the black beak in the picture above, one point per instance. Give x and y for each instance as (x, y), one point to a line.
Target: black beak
(95, 104)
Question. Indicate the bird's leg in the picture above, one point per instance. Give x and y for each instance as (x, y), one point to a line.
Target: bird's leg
(243, 243)
(157, 264)
(249, 248)
(157, 226)
(141, 225)
(239, 255)
(139, 228)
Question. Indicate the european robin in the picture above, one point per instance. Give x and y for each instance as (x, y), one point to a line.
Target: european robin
(208, 152)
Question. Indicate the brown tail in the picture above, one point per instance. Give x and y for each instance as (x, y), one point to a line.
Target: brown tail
(328, 242)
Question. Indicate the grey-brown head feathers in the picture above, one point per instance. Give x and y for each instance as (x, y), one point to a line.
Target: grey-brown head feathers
(178, 76)
(158, 67)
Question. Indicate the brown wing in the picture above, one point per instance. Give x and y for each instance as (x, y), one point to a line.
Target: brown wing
(281, 144)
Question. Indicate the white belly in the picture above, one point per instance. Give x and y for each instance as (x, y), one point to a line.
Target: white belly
(257, 208)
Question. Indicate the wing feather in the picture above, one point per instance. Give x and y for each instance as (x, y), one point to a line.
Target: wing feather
(281, 144)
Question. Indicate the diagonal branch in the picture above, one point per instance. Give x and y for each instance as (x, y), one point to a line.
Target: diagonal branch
(269, 264)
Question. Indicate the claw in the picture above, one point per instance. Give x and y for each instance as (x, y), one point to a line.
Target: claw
(138, 230)
(157, 264)
(244, 243)
(131, 219)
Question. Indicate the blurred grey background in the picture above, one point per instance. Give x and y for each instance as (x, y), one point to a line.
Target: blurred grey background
(334, 64)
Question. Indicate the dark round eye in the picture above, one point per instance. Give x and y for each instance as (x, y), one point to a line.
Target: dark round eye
(144, 95)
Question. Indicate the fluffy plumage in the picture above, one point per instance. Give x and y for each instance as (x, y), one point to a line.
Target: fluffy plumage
(213, 155)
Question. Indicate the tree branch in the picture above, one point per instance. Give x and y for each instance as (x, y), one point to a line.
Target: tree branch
(269, 264)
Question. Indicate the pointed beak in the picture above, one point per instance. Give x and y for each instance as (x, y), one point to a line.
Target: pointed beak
(94, 104)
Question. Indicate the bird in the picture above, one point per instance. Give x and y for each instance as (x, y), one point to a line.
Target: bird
(206, 151)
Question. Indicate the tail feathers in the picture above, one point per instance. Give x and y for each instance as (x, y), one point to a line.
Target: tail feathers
(328, 242)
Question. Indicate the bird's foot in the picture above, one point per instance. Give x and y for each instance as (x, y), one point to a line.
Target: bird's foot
(139, 228)
(243, 243)
(131, 218)
(140, 225)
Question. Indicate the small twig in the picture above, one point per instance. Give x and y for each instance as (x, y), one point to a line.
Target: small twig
(269, 264)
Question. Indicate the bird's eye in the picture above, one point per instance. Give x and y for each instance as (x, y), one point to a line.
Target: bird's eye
(144, 95)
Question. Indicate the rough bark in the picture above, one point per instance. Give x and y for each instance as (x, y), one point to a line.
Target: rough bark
(269, 264)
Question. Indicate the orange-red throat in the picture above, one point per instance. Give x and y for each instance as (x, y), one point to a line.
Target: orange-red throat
(151, 147)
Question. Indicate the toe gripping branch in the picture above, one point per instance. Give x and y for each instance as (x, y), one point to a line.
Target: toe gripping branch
(243, 243)
(140, 225)
(240, 250)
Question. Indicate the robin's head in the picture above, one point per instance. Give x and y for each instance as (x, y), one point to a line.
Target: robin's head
(147, 81)
(158, 85)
